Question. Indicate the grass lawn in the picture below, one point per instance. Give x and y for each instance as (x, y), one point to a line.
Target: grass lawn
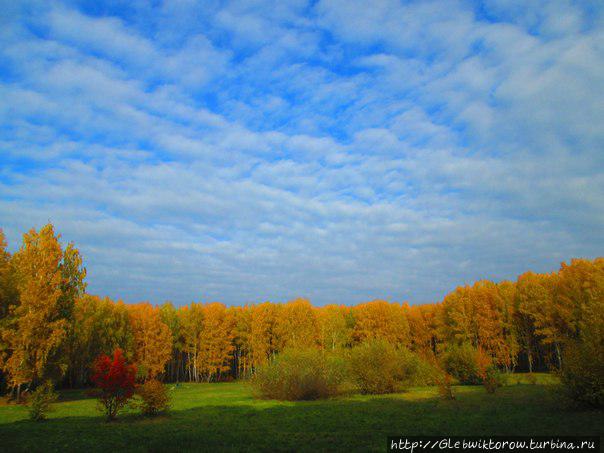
(226, 416)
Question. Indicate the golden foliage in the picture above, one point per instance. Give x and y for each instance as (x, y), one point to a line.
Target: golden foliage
(47, 279)
(152, 339)
(296, 325)
(48, 325)
(380, 320)
(215, 341)
(481, 315)
(335, 326)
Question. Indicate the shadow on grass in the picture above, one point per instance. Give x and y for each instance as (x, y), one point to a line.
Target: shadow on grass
(359, 423)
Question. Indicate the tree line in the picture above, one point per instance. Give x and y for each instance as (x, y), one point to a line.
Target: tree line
(51, 329)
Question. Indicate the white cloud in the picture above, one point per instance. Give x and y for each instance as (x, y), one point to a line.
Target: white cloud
(238, 152)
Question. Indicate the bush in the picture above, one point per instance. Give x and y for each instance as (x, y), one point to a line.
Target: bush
(306, 374)
(445, 387)
(378, 367)
(417, 370)
(466, 363)
(582, 373)
(154, 397)
(40, 401)
(115, 379)
(493, 379)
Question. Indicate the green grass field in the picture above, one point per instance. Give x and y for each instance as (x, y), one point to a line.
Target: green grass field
(226, 416)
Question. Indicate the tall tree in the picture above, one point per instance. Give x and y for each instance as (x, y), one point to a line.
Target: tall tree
(191, 322)
(152, 340)
(579, 289)
(48, 280)
(215, 341)
(296, 325)
(481, 315)
(423, 327)
(382, 320)
(9, 296)
(100, 327)
(335, 324)
(242, 325)
(508, 346)
(536, 307)
(263, 332)
(169, 316)
(529, 297)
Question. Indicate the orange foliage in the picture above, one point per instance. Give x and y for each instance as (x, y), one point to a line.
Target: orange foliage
(334, 326)
(152, 339)
(191, 324)
(296, 325)
(481, 316)
(242, 319)
(380, 320)
(48, 279)
(49, 326)
(262, 337)
(423, 327)
(215, 341)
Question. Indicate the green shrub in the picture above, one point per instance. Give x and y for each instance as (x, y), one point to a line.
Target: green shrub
(40, 401)
(466, 363)
(493, 379)
(445, 387)
(416, 370)
(154, 397)
(582, 373)
(295, 374)
(378, 367)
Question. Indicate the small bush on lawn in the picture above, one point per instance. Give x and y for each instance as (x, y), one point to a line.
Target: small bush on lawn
(445, 387)
(40, 401)
(493, 379)
(378, 367)
(293, 375)
(154, 398)
(115, 379)
(466, 363)
(417, 370)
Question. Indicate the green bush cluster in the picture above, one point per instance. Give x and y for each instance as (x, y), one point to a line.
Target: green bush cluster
(40, 401)
(375, 367)
(465, 363)
(300, 374)
(378, 367)
(492, 379)
(417, 370)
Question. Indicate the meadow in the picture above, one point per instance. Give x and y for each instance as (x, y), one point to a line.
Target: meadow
(227, 416)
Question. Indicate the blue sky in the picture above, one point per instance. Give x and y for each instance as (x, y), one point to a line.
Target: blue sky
(337, 150)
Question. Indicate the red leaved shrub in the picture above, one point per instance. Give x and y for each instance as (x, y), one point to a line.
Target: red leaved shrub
(115, 379)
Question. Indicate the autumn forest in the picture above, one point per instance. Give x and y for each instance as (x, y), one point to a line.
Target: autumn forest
(325, 225)
(53, 330)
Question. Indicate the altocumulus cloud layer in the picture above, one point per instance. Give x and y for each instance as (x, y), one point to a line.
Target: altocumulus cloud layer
(339, 150)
